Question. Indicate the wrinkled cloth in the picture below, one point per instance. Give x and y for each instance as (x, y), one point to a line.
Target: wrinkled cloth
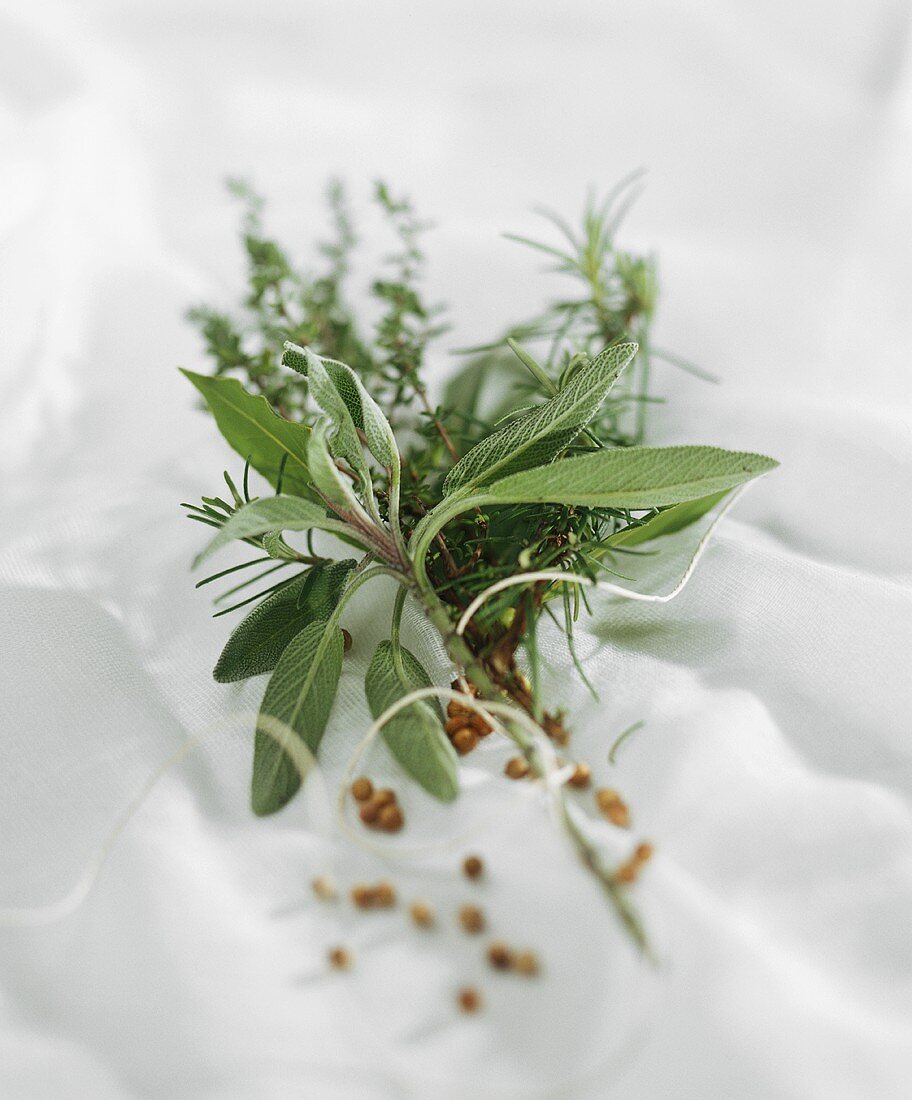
(773, 769)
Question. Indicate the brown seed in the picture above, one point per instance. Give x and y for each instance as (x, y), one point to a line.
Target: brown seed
(362, 897)
(422, 914)
(362, 789)
(582, 776)
(384, 896)
(346, 640)
(613, 807)
(465, 686)
(517, 768)
(471, 919)
(369, 811)
(472, 867)
(384, 797)
(454, 724)
(455, 709)
(468, 999)
(526, 963)
(464, 740)
(500, 956)
(339, 958)
(390, 818)
(324, 888)
(643, 852)
(481, 726)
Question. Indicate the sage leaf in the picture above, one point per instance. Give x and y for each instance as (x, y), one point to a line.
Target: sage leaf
(278, 513)
(344, 441)
(251, 426)
(259, 640)
(298, 701)
(415, 736)
(667, 522)
(540, 435)
(365, 412)
(630, 477)
(328, 479)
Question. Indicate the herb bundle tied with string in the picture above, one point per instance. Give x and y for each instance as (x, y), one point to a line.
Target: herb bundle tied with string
(506, 502)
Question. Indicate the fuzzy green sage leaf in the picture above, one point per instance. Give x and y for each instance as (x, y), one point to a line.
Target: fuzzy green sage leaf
(415, 735)
(298, 701)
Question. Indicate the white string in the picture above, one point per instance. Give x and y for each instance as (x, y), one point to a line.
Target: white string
(603, 586)
(39, 915)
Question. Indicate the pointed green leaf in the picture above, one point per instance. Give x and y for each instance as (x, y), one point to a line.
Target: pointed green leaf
(298, 701)
(414, 736)
(630, 477)
(539, 436)
(252, 427)
(278, 513)
(667, 522)
(257, 643)
(328, 479)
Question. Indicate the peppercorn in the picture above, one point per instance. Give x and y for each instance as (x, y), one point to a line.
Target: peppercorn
(464, 740)
(613, 807)
(472, 867)
(384, 797)
(339, 958)
(324, 888)
(500, 956)
(346, 640)
(390, 818)
(422, 914)
(517, 767)
(362, 789)
(471, 919)
(468, 999)
(526, 963)
(582, 775)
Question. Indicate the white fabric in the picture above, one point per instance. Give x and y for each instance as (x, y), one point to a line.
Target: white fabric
(774, 770)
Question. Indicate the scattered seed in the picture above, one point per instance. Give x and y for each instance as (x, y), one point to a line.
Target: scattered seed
(613, 807)
(346, 640)
(582, 776)
(472, 867)
(526, 963)
(455, 709)
(453, 724)
(517, 768)
(381, 896)
(369, 812)
(384, 895)
(471, 919)
(481, 726)
(324, 888)
(629, 871)
(384, 796)
(390, 818)
(340, 958)
(500, 956)
(422, 914)
(362, 789)
(468, 999)
(464, 740)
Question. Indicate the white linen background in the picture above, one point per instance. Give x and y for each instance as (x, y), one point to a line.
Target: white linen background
(773, 771)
